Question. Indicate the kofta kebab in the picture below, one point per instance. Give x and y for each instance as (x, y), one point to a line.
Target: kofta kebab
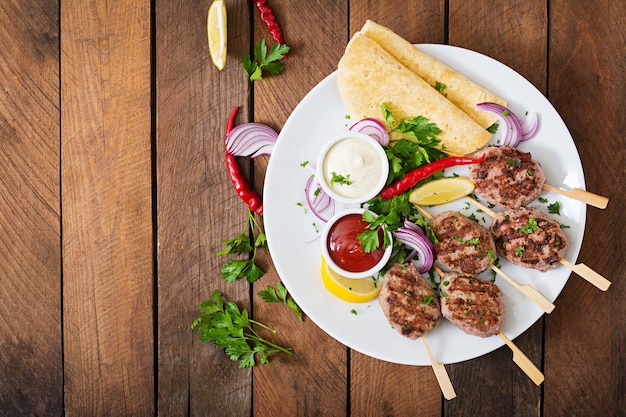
(380, 67)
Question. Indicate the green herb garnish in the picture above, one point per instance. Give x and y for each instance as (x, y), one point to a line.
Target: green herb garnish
(280, 295)
(530, 227)
(264, 60)
(230, 328)
(240, 244)
(340, 179)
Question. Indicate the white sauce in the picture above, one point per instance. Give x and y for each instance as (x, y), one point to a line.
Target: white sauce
(357, 162)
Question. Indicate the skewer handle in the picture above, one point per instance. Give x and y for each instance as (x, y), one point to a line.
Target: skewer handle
(523, 362)
(589, 274)
(440, 373)
(586, 197)
(528, 291)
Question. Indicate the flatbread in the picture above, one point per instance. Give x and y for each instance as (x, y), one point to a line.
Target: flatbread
(368, 76)
(461, 91)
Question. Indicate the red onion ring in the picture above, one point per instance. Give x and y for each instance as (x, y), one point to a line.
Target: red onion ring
(372, 128)
(413, 236)
(320, 203)
(513, 129)
(529, 126)
(251, 139)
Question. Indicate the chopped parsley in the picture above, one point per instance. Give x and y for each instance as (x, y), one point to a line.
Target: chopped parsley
(340, 179)
(530, 227)
(554, 208)
(519, 251)
(440, 87)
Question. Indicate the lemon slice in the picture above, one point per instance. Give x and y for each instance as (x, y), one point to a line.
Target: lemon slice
(349, 289)
(216, 32)
(441, 191)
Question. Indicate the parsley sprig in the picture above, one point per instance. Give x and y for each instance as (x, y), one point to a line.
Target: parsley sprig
(248, 241)
(280, 295)
(230, 328)
(418, 146)
(264, 60)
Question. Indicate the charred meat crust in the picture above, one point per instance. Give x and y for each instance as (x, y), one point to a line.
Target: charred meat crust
(529, 238)
(409, 302)
(464, 245)
(471, 304)
(507, 177)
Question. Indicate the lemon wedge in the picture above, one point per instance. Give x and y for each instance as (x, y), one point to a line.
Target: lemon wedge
(348, 289)
(216, 32)
(441, 191)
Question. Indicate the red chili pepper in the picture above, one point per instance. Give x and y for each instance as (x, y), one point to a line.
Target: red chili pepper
(244, 191)
(413, 177)
(268, 18)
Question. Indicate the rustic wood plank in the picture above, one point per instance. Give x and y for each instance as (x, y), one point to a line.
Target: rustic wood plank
(314, 380)
(197, 206)
(514, 32)
(375, 384)
(107, 218)
(586, 82)
(30, 242)
(521, 44)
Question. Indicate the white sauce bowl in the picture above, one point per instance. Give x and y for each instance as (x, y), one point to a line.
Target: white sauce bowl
(357, 163)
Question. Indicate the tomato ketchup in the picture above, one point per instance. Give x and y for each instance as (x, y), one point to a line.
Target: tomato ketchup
(344, 247)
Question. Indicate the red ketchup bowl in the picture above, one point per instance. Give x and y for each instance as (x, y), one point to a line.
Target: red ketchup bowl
(342, 250)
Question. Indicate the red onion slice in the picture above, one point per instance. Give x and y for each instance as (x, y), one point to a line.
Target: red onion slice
(372, 128)
(413, 236)
(529, 126)
(320, 203)
(512, 134)
(251, 139)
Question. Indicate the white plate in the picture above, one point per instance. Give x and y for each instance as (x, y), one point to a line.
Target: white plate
(293, 233)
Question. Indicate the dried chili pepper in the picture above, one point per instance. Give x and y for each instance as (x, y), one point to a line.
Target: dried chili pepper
(413, 177)
(269, 20)
(242, 187)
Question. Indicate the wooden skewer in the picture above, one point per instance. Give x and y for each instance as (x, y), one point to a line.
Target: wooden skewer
(518, 356)
(523, 362)
(581, 270)
(586, 197)
(528, 290)
(440, 373)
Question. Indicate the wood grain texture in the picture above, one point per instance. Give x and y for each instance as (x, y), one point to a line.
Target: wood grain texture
(314, 381)
(514, 32)
(374, 384)
(107, 210)
(31, 368)
(197, 206)
(587, 67)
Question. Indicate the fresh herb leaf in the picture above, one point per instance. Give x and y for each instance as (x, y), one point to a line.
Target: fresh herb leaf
(440, 87)
(519, 251)
(230, 328)
(493, 128)
(554, 208)
(264, 60)
(530, 227)
(249, 240)
(280, 295)
(340, 179)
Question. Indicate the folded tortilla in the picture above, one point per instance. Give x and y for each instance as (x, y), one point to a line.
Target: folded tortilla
(464, 93)
(368, 76)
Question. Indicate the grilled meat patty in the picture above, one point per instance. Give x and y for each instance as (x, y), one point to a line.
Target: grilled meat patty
(471, 304)
(408, 301)
(529, 238)
(507, 177)
(464, 245)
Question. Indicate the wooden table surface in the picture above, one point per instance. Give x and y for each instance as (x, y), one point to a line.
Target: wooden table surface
(114, 200)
